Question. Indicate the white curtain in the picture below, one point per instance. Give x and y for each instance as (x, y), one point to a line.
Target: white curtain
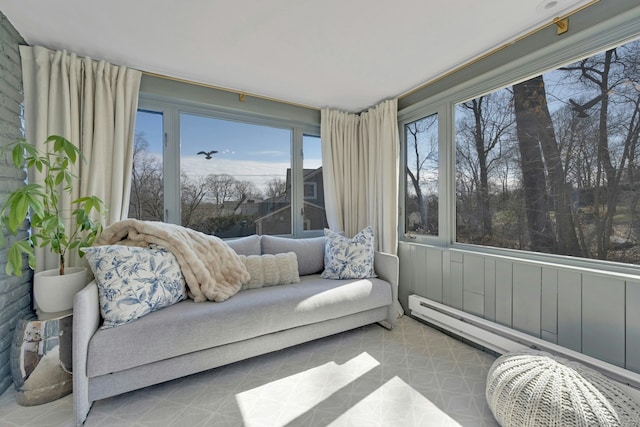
(360, 160)
(93, 104)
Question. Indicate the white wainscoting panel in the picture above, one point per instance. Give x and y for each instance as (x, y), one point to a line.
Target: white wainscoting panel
(433, 274)
(570, 310)
(588, 311)
(549, 311)
(490, 289)
(504, 292)
(633, 318)
(527, 296)
(603, 318)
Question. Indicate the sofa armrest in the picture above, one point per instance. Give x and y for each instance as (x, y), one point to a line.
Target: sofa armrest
(387, 267)
(86, 321)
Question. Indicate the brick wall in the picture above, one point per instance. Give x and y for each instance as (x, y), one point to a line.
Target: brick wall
(15, 292)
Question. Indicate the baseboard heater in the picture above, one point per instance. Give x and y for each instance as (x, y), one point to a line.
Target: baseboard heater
(502, 339)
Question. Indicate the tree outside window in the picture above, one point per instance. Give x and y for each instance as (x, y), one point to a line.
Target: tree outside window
(550, 164)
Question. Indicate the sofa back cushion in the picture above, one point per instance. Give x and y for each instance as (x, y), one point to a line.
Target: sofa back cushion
(309, 251)
(249, 245)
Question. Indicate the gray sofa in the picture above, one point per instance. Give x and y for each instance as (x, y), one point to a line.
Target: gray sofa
(189, 337)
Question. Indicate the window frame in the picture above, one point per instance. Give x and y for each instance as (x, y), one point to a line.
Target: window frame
(172, 108)
(443, 195)
(573, 47)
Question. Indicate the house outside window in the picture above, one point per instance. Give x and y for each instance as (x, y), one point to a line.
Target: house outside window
(224, 174)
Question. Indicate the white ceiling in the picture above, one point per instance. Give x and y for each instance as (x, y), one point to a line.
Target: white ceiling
(345, 54)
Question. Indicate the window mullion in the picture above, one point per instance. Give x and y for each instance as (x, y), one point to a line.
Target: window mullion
(297, 191)
(171, 162)
(447, 184)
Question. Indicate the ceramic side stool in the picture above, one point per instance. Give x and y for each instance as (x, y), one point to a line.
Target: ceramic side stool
(41, 357)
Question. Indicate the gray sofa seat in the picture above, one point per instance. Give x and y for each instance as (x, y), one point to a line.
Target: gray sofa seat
(191, 327)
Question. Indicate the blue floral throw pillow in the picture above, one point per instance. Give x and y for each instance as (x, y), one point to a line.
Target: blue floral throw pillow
(349, 258)
(133, 281)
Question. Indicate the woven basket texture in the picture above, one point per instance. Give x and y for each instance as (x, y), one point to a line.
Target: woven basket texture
(535, 388)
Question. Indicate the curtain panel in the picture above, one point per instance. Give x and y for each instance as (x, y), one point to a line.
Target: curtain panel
(93, 104)
(360, 164)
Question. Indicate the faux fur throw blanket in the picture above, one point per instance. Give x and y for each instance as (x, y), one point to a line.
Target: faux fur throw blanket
(212, 270)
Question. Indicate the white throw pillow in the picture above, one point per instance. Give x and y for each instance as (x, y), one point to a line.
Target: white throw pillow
(134, 281)
(349, 258)
(271, 270)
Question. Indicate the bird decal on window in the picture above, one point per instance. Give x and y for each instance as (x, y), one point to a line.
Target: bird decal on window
(207, 154)
(581, 109)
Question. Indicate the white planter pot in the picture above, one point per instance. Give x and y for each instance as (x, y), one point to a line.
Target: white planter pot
(53, 292)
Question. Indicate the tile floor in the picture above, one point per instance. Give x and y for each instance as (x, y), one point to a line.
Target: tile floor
(411, 376)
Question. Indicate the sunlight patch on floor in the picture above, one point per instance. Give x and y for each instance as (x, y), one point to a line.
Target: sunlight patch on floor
(394, 403)
(282, 401)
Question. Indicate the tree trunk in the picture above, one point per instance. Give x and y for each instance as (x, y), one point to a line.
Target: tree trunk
(566, 239)
(604, 223)
(415, 178)
(422, 206)
(526, 102)
(483, 190)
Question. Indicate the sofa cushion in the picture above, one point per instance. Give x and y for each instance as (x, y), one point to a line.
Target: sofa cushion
(133, 281)
(187, 326)
(309, 251)
(249, 245)
(346, 258)
(271, 270)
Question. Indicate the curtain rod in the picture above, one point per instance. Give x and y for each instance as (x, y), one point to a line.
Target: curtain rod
(241, 95)
(559, 21)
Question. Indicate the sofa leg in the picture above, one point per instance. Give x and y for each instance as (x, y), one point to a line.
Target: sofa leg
(386, 324)
(82, 413)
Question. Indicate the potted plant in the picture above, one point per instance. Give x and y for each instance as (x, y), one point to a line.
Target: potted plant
(48, 229)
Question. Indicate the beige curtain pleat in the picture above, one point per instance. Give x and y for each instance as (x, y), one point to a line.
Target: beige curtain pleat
(94, 105)
(360, 160)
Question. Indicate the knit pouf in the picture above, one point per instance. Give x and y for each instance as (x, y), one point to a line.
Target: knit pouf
(535, 388)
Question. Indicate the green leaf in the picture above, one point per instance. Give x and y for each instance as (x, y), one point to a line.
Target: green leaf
(17, 156)
(21, 208)
(59, 178)
(90, 203)
(71, 151)
(15, 257)
(19, 203)
(58, 142)
(50, 223)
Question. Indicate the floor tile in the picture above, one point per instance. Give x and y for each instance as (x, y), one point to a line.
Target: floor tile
(413, 375)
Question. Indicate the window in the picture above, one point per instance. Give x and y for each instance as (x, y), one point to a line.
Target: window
(550, 164)
(421, 196)
(310, 190)
(314, 214)
(228, 173)
(147, 188)
(225, 174)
